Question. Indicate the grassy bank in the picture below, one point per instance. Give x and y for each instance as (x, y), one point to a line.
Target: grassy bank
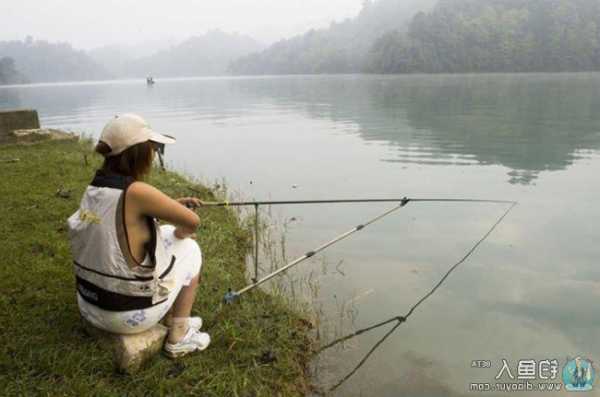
(259, 345)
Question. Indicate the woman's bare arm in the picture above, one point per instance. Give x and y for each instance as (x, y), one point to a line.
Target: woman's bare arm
(152, 202)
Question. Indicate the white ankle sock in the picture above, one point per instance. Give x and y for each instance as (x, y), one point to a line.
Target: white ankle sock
(178, 327)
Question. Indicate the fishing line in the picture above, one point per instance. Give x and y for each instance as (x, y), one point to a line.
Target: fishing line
(402, 319)
(366, 357)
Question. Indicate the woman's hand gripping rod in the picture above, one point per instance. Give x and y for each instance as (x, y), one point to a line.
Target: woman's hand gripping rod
(231, 296)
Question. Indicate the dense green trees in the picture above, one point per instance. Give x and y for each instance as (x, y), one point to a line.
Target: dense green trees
(494, 36)
(9, 73)
(41, 61)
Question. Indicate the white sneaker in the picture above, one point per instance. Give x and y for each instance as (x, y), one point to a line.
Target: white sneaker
(192, 341)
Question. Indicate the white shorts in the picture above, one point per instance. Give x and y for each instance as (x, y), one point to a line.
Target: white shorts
(187, 266)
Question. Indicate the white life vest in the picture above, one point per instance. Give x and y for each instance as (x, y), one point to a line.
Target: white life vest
(107, 274)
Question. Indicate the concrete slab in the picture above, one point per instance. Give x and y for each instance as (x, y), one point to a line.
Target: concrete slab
(21, 119)
(130, 352)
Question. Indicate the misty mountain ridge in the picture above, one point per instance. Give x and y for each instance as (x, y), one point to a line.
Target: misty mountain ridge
(387, 36)
(206, 55)
(116, 57)
(341, 48)
(40, 61)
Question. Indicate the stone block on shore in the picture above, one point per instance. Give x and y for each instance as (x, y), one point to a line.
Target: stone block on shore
(130, 352)
(11, 120)
(39, 134)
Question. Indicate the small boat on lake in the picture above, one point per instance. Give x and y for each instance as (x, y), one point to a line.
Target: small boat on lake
(150, 80)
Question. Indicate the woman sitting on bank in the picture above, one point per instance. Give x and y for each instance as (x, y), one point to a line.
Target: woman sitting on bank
(131, 272)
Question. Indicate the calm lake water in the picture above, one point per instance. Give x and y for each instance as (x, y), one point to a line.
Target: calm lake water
(530, 290)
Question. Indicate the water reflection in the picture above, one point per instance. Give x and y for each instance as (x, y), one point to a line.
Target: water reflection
(528, 123)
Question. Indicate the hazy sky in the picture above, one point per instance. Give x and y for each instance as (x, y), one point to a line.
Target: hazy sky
(92, 23)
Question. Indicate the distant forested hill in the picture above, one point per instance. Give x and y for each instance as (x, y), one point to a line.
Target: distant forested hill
(117, 58)
(495, 36)
(455, 36)
(208, 54)
(342, 48)
(41, 61)
(9, 73)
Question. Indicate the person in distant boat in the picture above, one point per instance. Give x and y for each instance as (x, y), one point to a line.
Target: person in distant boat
(131, 272)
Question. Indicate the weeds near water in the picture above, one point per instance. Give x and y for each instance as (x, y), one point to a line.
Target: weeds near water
(301, 290)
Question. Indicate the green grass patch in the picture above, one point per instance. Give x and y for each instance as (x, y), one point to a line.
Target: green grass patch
(260, 346)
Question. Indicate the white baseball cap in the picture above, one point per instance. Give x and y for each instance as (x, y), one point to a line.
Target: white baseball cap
(127, 130)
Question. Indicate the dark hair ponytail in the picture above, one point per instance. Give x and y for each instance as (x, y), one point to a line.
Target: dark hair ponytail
(135, 161)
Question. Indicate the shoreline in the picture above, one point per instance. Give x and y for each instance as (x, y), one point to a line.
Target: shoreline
(141, 81)
(261, 345)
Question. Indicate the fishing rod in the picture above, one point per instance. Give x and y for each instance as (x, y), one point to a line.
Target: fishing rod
(256, 204)
(231, 296)
(342, 201)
